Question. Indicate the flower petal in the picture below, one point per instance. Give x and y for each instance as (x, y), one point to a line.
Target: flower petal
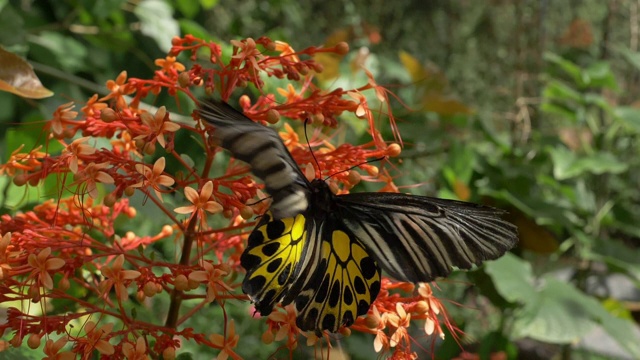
(54, 264)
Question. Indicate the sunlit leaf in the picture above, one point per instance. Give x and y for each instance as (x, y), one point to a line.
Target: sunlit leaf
(599, 75)
(444, 105)
(629, 116)
(562, 314)
(557, 313)
(633, 57)
(512, 277)
(330, 64)
(17, 77)
(413, 67)
(567, 66)
(567, 164)
(157, 22)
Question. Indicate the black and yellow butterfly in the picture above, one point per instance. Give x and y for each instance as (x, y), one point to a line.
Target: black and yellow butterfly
(324, 252)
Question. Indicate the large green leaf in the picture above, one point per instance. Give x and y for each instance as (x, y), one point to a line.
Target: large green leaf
(512, 277)
(557, 313)
(566, 164)
(552, 310)
(629, 116)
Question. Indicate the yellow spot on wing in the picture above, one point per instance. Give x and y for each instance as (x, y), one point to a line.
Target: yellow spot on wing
(341, 242)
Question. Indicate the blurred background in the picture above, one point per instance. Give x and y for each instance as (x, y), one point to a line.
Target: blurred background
(528, 105)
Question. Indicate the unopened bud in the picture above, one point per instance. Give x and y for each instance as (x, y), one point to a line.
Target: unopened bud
(110, 200)
(354, 177)
(108, 115)
(169, 353)
(149, 289)
(34, 341)
(342, 48)
(20, 179)
(246, 212)
(394, 150)
(273, 116)
(181, 283)
(183, 79)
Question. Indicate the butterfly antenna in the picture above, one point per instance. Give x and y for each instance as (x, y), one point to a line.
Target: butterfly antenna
(306, 136)
(355, 166)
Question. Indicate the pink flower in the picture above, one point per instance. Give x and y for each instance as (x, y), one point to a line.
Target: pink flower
(117, 278)
(42, 264)
(200, 201)
(154, 177)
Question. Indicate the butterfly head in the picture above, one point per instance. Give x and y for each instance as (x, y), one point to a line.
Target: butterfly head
(321, 195)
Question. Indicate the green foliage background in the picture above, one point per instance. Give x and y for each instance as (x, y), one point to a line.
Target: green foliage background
(528, 105)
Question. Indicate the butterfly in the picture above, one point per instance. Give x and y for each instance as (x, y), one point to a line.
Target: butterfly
(324, 252)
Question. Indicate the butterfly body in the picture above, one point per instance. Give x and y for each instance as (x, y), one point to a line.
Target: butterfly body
(324, 252)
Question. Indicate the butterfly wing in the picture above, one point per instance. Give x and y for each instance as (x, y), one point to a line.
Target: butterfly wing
(262, 148)
(323, 269)
(279, 255)
(418, 239)
(342, 286)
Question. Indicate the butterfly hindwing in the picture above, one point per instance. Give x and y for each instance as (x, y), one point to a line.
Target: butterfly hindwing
(418, 239)
(344, 285)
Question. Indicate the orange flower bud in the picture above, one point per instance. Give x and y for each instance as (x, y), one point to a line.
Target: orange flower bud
(342, 48)
(421, 307)
(20, 179)
(193, 284)
(181, 283)
(354, 177)
(372, 322)
(246, 212)
(108, 115)
(183, 79)
(140, 295)
(169, 353)
(345, 331)
(149, 148)
(267, 337)
(110, 199)
(34, 341)
(129, 191)
(394, 150)
(149, 289)
(273, 116)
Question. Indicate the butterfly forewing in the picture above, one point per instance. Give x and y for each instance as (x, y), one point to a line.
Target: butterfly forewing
(272, 259)
(260, 147)
(418, 239)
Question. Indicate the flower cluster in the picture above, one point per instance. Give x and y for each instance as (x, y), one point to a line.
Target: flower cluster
(75, 259)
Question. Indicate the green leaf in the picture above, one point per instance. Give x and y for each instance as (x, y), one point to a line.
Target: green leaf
(512, 278)
(70, 53)
(558, 313)
(208, 4)
(157, 22)
(633, 57)
(188, 8)
(559, 91)
(566, 164)
(184, 356)
(567, 66)
(628, 116)
(194, 28)
(599, 75)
